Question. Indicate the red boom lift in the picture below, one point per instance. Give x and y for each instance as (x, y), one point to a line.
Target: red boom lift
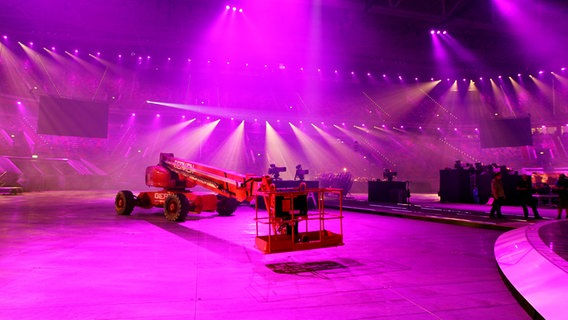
(286, 207)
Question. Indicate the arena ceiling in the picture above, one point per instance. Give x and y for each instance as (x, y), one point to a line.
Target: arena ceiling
(357, 32)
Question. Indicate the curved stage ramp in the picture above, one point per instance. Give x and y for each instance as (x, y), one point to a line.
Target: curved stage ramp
(534, 260)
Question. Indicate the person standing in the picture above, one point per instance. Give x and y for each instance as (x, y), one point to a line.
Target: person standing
(562, 190)
(498, 193)
(525, 192)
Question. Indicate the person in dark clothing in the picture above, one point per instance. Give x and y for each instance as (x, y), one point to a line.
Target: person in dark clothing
(525, 192)
(562, 190)
(498, 193)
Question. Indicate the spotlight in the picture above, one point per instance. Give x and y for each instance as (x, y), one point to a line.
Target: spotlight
(234, 8)
(5, 37)
(227, 7)
(432, 32)
(241, 10)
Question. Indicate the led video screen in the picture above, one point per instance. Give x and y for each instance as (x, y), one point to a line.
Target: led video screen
(70, 117)
(506, 132)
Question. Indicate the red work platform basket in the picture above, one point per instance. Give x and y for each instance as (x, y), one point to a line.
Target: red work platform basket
(289, 225)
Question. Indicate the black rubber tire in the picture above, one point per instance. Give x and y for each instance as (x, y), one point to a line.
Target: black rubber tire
(226, 206)
(176, 207)
(124, 202)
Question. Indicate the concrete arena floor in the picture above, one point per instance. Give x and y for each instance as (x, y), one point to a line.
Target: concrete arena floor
(67, 255)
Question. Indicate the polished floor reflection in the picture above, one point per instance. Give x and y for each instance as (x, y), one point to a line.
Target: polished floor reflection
(67, 255)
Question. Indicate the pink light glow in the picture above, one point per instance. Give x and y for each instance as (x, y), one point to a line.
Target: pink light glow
(133, 114)
(227, 7)
(158, 115)
(241, 10)
(5, 37)
(432, 32)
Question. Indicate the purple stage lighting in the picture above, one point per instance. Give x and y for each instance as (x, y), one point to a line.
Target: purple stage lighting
(52, 48)
(368, 74)
(444, 32)
(432, 32)
(540, 72)
(19, 103)
(227, 7)
(241, 10)
(133, 114)
(234, 8)
(158, 115)
(352, 73)
(563, 69)
(5, 37)
(31, 44)
(76, 51)
(120, 56)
